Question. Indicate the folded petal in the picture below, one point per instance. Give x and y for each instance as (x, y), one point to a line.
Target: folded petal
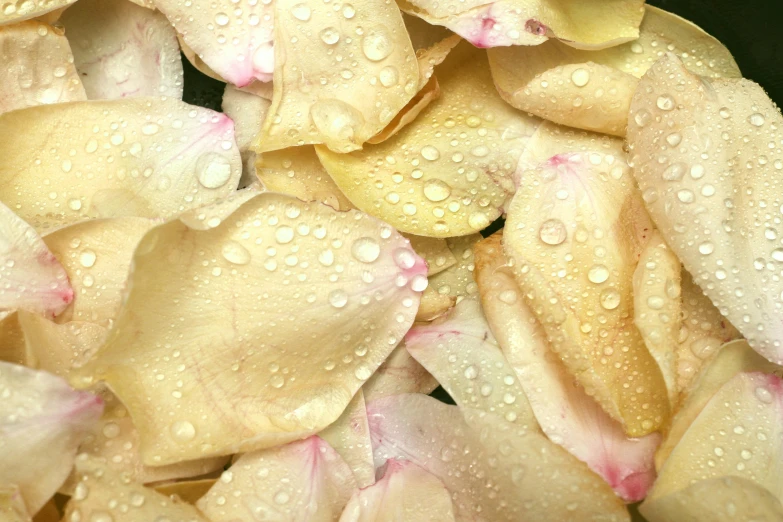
(238, 44)
(37, 67)
(562, 408)
(42, 422)
(448, 173)
(575, 230)
(399, 373)
(592, 89)
(349, 436)
(484, 23)
(32, 277)
(255, 327)
(321, 98)
(404, 492)
(189, 491)
(492, 468)
(706, 156)
(121, 50)
(304, 480)
(145, 157)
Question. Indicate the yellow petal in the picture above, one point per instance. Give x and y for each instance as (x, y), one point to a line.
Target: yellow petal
(121, 49)
(196, 61)
(12, 341)
(321, 98)
(32, 277)
(18, 11)
(457, 280)
(399, 373)
(404, 490)
(592, 89)
(726, 499)
(58, 348)
(434, 305)
(657, 307)
(484, 23)
(429, 92)
(318, 299)
(704, 330)
(37, 67)
(736, 434)
(492, 468)
(238, 44)
(103, 493)
(297, 172)
(146, 157)
(731, 359)
(189, 491)
(575, 230)
(12, 508)
(565, 413)
(248, 112)
(460, 351)
(304, 480)
(42, 421)
(449, 172)
(705, 155)
(349, 436)
(435, 252)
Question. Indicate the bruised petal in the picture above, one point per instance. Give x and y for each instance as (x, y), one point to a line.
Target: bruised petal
(37, 67)
(321, 98)
(405, 491)
(703, 331)
(575, 230)
(736, 434)
(449, 172)
(732, 358)
(399, 373)
(121, 49)
(592, 89)
(565, 413)
(145, 157)
(704, 156)
(297, 172)
(592, 25)
(657, 307)
(42, 422)
(349, 436)
(460, 351)
(18, 11)
(298, 277)
(32, 278)
(304, 480)
(238, 44)
(103, 493)
(531, 478)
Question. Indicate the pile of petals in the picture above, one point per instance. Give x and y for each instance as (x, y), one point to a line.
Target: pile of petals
(568, 215)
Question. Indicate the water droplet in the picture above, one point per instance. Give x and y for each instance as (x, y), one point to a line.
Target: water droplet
(706, 248)
(655, 302)
(87, 258)
(301, 12)
(756, 119)
(404, 258)
(665, 102)
(366, 249)
(235, 253)
(212, 170)
(435, 189)
(284, 234)
(471, 372)
(642, 117)
(349, 11)
(508, 296)
(111, 430)
(478, 220)
(338, 298)
(580, 77)
(182, 431)
(336, 119)
(430, 153)
(221, 19)
(376, 44)
(389, 76)
(610, 299)
(763, 395)
(330, 36)
(598, 274)
(419, 283)
(281, 497)
(552, 232)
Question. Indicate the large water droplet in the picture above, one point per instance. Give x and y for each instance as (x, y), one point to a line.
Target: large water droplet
(376, 44)
(552, 232)
(598, 274)
(301, 12)
(235, 253)
(436, 190)
(580, 77)
(366, 249)
(212, 170)
(182, 431)
(338, 298)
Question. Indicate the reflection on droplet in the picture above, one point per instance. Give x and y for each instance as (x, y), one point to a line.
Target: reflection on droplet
(376, 44)
(182, 431)
(366, 249)
(436, 190)
(212, 170)
(552, 232)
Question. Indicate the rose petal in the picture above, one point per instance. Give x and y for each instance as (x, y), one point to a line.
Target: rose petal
(248, 375)
(449, 172)
(349, 436)
(248, 112)
(238, 44)
(705, 155)
(104, 493)
(42, 422)
(657, 307)
(145, 157)
(304, 480)
(37, 67)
(565, 413)
(121, 50)
(492, 471)
(18, 11)
(428, 93)
(405, 492)
(435, 252)
(575, 230)
(399, 373)
(592, 89)
(12, 508)
(58, 348)
(32, 278)
(484, 23)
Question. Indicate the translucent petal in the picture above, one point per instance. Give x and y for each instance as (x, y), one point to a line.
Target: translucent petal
(318, 299)
(349, 436)
(399, 373)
